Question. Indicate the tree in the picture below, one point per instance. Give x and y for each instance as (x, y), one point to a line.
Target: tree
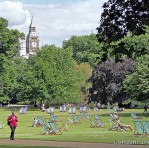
(59, 81)
(9, 42)
(9, 39)
(107, 81)
(130, 47)
(85, 48)
(9, 77)
(85, 70)
(137, 83)
(119, 18)
(122, 16)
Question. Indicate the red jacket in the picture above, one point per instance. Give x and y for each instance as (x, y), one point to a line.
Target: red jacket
(13, 120)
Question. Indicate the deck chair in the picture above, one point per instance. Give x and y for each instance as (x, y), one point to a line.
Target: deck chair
(1, 124)
(47, 120)
(96, 117)
(55, 118)
(82, 115)
(76, 119)
(64, 109)
(94, 124)
(54, 128)
(73, 110)
(146, 127)
(100, 123)
(46, 130)
(40, 121)
(138, 128)
(86, 115)
(23, 110)
(113, 125)
(61, 108)
(70, 110)
(134, 116)
(50, 110)
(81, 109)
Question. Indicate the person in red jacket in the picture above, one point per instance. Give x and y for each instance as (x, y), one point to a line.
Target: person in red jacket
(12, 120)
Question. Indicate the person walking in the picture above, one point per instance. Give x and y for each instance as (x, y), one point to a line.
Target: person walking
(12, 122)
(145, 108)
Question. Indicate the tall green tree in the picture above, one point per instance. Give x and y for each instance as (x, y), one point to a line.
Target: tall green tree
(85, 48)
(130, 47)
(120, 17)
(137, 84)
(9, 49)
(9, 76)
(55, 77)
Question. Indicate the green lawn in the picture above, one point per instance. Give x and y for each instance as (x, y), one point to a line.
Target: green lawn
(76, 132)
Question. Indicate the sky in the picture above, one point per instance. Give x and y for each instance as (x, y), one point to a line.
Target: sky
(55, 20)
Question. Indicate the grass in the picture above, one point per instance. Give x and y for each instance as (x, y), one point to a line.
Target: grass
(76, 132)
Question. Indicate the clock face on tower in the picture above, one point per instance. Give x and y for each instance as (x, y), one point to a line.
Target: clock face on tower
(34, 44)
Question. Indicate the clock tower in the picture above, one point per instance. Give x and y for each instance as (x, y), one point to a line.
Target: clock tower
(32, 40)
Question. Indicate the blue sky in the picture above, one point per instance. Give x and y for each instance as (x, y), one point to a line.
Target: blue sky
(55, 20)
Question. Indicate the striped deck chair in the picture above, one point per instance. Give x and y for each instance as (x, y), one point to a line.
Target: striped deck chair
(96, 117)
(40, 121)
(94, 124)
(47, 120)
(45, 130)
(55, 118)
(138, 128)
(146, 127)
(134, 116)
(76, 119)
(113, 125)
(54, 128)
(23, 110)
(86, 115)
(82, 115)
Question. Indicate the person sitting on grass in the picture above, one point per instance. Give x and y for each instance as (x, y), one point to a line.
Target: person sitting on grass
(35, 122)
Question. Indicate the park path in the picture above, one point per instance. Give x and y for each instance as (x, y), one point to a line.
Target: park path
(67, 144)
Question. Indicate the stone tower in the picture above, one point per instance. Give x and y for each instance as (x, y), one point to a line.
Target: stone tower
(32, 40)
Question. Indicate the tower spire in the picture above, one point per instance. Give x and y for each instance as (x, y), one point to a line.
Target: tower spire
(32, 22)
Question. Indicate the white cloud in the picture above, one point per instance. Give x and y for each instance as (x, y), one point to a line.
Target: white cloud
(54, 22)
(13, 12)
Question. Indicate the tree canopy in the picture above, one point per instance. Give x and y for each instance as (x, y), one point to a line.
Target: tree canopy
(107, 81)
(85, 48)
(137, 84)
(120, 17)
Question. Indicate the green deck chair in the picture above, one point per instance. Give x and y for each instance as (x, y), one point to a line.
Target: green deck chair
(96, 117)
(55, 118)
(40, 121)
(76, 119)
(55, 129)
(134, 116)
(86, 115)
(46, 130)
(94, 124)
(138, 128)
(99, 122)
(47, 120)
(112, 126)
(82, 115)
(146, 127)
